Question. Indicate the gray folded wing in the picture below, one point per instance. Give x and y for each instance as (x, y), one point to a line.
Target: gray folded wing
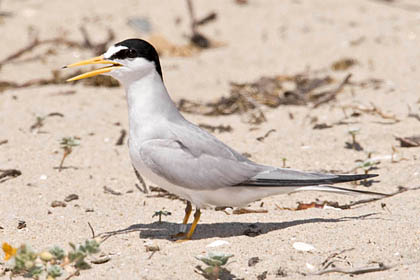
(184, 166)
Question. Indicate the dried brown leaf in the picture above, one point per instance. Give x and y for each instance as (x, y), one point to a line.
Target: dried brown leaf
(408, 142)
(343, 64)
(240, 211)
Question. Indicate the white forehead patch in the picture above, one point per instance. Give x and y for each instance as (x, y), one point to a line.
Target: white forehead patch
(113, 50)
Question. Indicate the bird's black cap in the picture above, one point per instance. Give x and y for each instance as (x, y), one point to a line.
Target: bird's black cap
(138, 48)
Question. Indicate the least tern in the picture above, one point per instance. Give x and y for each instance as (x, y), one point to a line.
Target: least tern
(182, 158)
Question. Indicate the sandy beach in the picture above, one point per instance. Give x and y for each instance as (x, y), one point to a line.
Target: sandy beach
(307, 47)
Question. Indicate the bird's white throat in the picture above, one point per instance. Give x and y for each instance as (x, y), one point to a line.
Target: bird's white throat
(149, 105)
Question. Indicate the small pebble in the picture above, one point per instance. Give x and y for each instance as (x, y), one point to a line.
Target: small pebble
(21, 225)
(57, 203)
(310, 266)
(71, 197)
(253, 261)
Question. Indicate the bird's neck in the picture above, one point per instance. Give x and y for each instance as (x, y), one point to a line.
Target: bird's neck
(148, 103)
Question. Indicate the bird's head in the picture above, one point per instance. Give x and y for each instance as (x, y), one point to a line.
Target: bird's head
(129, 60)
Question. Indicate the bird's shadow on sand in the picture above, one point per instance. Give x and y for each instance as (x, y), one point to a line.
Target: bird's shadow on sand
(166, 230)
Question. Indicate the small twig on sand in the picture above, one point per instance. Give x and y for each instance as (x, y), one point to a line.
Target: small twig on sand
(39, 122)
(363, 201)
(196, 37)
(240, 211)
(13, 173)
(111, 191)
(86, 38)
(35, 43)
(328, 261)
(21, 51)
(261, 138)
(373, 110)
(120, 140)
(210, 17)
(145, 190)
(304, 206)
(192, 17)
(163, 193)
(330, 95)
(355, 271)
(91, 229)
(76, 273)
(98, 48)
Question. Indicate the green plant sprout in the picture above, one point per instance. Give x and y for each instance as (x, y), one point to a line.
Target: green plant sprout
(48, 264)
(354, 144)
(214, 262)
(284, 162)
(353, 132)
(160, 213)
(368, 165)
(67, 144)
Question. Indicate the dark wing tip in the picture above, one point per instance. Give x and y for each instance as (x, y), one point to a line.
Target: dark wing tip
(354, 177)
(306, 182)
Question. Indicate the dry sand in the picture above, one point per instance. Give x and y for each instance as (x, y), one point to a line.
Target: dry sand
(261, 38)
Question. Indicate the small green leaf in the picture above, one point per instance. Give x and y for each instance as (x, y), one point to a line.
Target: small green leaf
(67, 142)
(82, 264)
(215, 258)
(36, 271)
(354, 130)
(55, 271)
(92, 246)
(57, 252)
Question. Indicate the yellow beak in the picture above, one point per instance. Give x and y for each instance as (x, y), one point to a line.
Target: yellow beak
(95, 60)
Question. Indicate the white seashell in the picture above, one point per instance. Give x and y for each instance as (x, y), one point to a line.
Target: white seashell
(300, 246)
(217, 243)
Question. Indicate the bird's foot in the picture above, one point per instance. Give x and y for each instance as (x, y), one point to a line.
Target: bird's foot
(182, 232)
(179, 235)
(182, 240)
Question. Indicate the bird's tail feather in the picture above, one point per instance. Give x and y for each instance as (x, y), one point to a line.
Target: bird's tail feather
(334, 189)
(306, 181)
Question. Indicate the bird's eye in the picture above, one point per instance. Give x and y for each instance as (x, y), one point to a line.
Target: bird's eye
(125, 53)
(131, 53)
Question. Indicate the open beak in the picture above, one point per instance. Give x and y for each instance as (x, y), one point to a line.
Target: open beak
(95, 60)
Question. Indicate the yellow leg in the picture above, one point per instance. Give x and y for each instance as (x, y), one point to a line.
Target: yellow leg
(188, 211)
(183, 227)
(197, 215)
